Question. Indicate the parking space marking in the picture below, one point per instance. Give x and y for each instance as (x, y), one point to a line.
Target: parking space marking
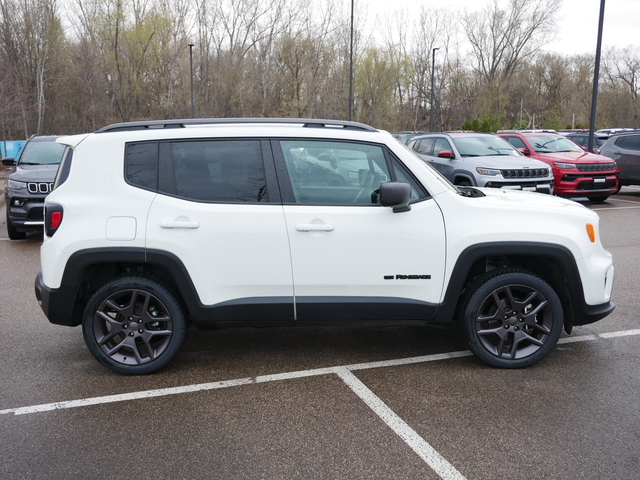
(426, 452)
(421, 447)
(273, 378)
(623, 333)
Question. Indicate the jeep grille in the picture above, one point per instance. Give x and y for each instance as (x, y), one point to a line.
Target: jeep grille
(42, 188)
(596, 167)
(525, 173)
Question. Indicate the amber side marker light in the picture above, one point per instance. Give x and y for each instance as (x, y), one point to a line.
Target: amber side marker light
(591, 232)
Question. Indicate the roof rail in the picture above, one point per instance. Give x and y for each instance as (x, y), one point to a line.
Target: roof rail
(305, 122)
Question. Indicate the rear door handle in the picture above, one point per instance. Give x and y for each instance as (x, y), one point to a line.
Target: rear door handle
(314, 227)
(179, 224)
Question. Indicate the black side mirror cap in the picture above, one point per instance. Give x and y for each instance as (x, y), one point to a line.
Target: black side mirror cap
(396, 195)
(8, 161)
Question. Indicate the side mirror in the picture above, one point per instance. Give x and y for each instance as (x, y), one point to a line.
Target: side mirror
(396, 195)
(524, 151)
(8, 161)
(445, 154)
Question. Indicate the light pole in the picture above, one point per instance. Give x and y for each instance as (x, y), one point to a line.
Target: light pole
(433, 70)
(351, 67)
(193, 111)
(596, 76)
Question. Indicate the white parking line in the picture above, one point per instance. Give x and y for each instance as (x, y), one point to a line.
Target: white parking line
(438, 463)
(425, 451)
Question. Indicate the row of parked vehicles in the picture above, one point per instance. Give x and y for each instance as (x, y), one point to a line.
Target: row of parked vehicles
(534, 160)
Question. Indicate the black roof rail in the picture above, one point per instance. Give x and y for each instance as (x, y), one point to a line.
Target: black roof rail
(182, 123)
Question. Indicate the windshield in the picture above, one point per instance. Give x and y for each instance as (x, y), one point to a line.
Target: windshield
(41, 152)
(552, 144)
(483, 146)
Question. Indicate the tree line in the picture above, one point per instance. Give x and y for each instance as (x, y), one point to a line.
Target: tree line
(71, 66)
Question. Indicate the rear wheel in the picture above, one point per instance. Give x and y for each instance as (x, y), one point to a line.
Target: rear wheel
(134, 325)
(511, 319)
(12, 232)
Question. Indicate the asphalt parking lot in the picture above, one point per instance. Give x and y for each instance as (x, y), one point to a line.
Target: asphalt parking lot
(399, 402)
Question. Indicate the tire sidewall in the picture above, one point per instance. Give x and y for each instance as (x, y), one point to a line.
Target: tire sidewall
(173, 306)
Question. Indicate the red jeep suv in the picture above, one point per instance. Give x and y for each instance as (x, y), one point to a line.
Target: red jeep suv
(576, 172)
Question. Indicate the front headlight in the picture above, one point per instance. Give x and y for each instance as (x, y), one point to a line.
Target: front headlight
(487, 171)
(564, 165)
(14, 185)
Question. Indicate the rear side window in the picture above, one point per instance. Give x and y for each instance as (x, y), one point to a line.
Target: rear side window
(141, 165)
(65, 167)
(629, 142)
(230, 171)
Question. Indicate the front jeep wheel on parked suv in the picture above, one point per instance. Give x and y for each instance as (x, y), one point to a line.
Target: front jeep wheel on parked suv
(134, 325)
(511, 319)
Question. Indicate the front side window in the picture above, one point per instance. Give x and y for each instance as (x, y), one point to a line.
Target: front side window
(516, 142)
(230, 171)
(424, 146)
(442, 144)
(333, 172)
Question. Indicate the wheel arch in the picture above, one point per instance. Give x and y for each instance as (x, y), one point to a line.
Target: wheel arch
(87, 270)
(552, 263)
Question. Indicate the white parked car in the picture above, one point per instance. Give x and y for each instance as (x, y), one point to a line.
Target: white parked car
(155, 226)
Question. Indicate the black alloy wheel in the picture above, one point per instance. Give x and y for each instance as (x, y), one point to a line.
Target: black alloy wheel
(134, 325)
(512, 319)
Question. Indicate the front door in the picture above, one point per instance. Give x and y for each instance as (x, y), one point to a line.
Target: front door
(351, 257)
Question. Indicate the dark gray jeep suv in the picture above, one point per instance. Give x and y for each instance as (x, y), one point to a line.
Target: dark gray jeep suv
(29, 183)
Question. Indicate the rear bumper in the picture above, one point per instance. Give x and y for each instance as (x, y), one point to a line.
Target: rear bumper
(57, 304)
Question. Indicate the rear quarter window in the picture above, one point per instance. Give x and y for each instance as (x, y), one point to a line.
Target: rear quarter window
(141, 165)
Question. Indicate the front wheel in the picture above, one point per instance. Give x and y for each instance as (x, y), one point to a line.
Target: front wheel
(134, 325)
(511, 319)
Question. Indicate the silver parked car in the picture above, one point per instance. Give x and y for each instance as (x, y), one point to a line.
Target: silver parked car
(482, 160)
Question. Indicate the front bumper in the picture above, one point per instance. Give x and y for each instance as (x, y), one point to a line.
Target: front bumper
(26, 213)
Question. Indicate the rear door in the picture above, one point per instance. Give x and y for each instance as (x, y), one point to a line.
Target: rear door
(219, 211)
(351, 257)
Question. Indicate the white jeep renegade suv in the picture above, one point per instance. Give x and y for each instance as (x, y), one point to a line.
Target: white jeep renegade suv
(154, 226)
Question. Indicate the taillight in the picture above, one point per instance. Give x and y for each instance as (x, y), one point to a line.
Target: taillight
(52, 218)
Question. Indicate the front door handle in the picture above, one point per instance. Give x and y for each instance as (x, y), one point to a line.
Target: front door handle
(314, 227)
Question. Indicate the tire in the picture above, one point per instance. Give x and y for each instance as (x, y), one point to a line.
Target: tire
(134, 325)
(598, 198)
(511, 319)
(12, 233)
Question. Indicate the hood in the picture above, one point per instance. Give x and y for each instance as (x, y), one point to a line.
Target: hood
(506, 162)
(573, 157)
(519, 199)
(34, 173)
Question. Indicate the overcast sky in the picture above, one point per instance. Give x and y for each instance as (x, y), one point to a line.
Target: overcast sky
(577, 21)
